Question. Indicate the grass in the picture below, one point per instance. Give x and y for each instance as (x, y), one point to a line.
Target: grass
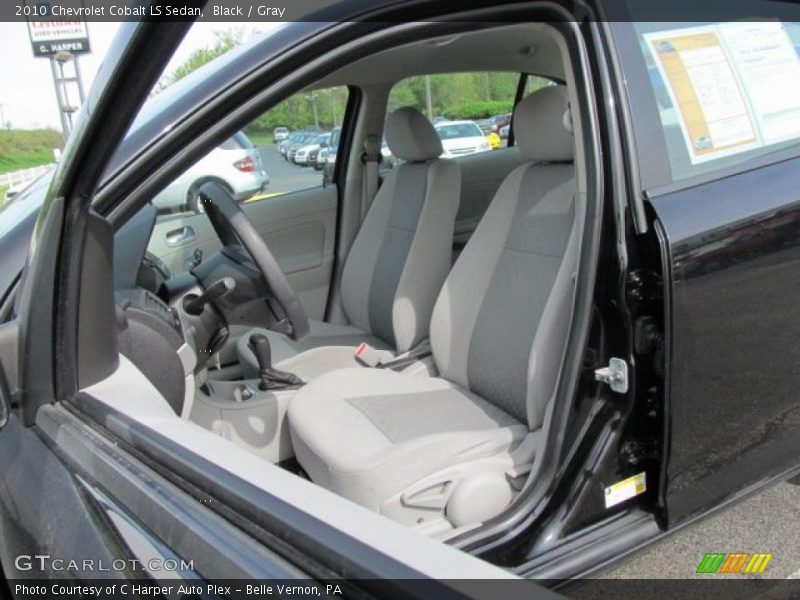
(260, 139)
(3, 189)
(22, 149)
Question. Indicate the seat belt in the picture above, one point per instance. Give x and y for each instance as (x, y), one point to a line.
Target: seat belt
(371, 159)
(384, 359)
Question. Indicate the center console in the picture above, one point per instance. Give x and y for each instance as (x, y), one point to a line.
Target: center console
(251, 418)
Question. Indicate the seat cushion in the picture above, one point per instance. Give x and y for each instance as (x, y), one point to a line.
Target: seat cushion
(368, 434)
(342, 339)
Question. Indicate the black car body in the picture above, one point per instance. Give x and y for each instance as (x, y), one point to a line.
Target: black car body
(684, 337)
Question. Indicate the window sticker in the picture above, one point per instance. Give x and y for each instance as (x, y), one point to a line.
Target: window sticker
(736, 86)
(769, 68)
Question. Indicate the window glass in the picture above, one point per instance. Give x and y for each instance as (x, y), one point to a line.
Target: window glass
(534, 83)
(286, 149)
(451, 131)
(726, 92)
(471, 111)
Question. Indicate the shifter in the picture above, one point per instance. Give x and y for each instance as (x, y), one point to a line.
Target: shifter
(271, 379)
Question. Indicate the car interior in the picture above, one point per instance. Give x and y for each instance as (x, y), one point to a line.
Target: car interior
(401, 351)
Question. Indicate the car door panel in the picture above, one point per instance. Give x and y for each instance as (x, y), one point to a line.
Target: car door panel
(299, 228)
(734, 265)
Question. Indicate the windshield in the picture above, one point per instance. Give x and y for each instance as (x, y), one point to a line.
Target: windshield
(458, 130)
(21, 206)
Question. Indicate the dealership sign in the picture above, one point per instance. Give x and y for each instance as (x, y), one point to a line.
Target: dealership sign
(51, 35)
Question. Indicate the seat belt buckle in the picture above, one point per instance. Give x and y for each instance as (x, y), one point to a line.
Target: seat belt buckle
(371, 357)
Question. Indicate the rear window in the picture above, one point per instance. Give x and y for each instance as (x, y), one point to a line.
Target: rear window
(726, 92)
(239, 141)
(458, 130)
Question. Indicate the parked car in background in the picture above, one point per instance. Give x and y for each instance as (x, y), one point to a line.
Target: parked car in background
(460, 138)
(307, 155)
(504, 131)
(313, 155)
(280, 134)
(322, 156)
(235, 164)
(297, 142)
(500, 121)
(293, 138)
(330, 156)
(494, 123)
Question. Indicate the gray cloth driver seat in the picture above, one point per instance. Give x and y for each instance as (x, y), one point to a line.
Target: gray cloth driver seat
(396, 265)
(445, 452)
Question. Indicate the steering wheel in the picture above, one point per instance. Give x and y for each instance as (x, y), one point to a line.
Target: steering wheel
(234, 229)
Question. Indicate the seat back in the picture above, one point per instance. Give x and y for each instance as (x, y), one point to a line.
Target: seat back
(402, 253)
(499, 325)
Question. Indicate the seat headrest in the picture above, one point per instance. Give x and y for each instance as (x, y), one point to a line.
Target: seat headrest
(543, 126)
(410, 136)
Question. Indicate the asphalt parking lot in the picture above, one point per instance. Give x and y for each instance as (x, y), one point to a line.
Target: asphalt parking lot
(768, 522)
(285, 176)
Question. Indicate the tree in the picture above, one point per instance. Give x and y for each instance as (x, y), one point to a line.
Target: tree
(223, 42)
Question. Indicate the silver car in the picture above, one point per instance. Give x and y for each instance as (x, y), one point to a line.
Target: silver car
(236, 164)
(308, 153)
(280, 134)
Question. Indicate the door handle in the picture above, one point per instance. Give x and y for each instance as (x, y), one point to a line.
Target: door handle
(181, 236)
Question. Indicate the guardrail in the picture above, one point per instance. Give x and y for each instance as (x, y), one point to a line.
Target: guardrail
(17, 178)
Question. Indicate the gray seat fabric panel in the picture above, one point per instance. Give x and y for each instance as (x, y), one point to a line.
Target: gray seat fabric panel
(344, 434)
(398, 416)
(459, 301)
(393, 251)
(522, 282)
(429, 257)
(284, 348)
(362, 259)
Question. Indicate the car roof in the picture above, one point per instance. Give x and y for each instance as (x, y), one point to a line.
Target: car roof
(462, 122)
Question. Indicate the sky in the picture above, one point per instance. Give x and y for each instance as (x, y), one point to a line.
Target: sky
(27, 93)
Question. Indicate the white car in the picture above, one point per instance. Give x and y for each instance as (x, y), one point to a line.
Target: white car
(304, 153)
(460, 138)
(236, 164)
(280, 134)
(322, 156)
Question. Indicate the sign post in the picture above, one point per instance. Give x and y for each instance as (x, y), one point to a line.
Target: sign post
(62, 42)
